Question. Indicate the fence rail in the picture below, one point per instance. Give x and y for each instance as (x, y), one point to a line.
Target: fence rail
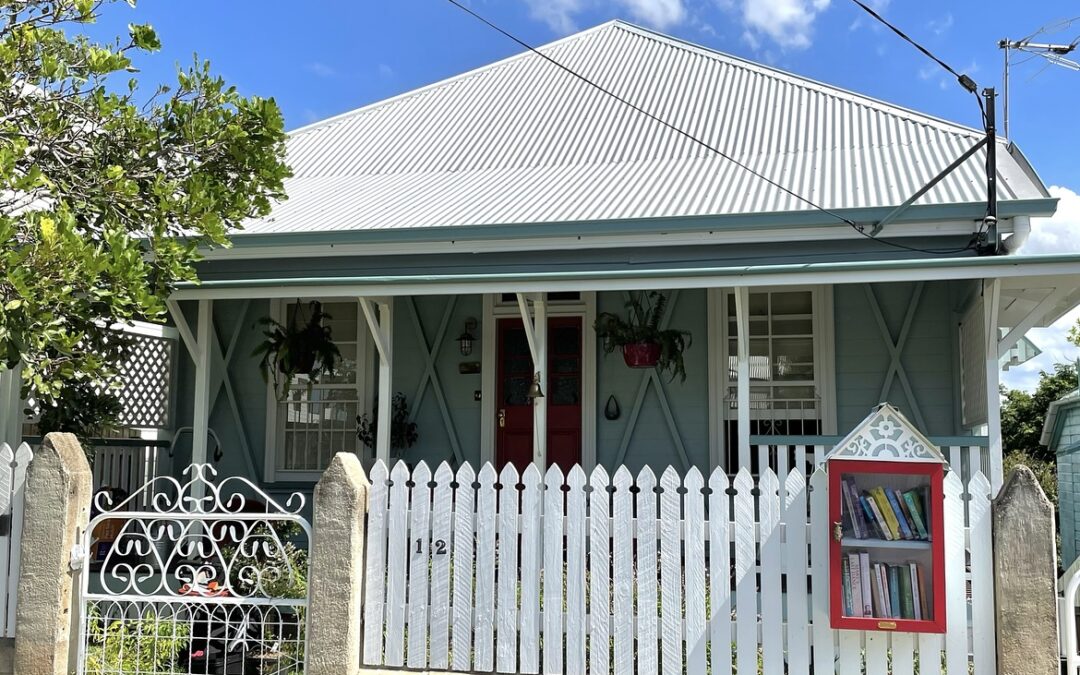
(589, 573)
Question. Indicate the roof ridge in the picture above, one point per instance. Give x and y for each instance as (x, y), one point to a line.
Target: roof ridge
(799, 80)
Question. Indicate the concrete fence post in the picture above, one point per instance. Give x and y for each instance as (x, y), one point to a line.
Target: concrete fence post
(337, 568)
(1025, 570)
(58, 493)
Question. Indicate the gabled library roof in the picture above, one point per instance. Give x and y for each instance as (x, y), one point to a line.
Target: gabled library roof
(886, 434)
(522, 142)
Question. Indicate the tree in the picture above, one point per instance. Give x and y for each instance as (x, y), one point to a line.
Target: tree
(1022, 414)
(106, 193)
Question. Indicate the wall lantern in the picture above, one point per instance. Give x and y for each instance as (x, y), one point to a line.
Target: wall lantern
(466, 339)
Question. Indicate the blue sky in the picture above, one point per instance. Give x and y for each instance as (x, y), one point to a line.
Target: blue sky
(332, 56)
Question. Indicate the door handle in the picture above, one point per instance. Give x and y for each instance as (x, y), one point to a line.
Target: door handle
(502, 418)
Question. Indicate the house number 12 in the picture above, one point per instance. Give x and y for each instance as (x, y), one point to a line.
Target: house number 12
(440, 546)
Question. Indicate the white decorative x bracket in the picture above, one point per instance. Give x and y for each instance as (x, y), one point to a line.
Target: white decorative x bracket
(896, 348)
(431, 376)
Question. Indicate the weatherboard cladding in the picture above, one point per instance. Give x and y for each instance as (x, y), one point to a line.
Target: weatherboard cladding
(523, 141)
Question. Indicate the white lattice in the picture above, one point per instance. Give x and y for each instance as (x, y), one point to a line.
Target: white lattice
(145, 382)
(886, 434)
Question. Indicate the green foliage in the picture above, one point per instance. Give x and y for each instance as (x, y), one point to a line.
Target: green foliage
(643, 325)
(1022, 414)
(106, 194)
(87, 410)
(294, 350)
(147, 645)
(403, 433)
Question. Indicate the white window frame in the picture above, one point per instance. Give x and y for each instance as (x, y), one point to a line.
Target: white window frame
(720, 381)
(275, 429)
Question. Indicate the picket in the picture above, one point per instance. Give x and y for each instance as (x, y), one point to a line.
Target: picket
(670, 573)
(575, 572)
(483, 653)
(507, 623)
(795, 556)
(8, 552)
(375, 568)
(623, 570)
(464, 543)
(441, 511)
(772, 612)
(590, 574)
(982, 589)
(419, 562)
(746, 633)
(719, 575)
(531, 502)
(695, 571)
(396, 561)
(553, 573)
(956, 638)
(599, 567)
(647, 661)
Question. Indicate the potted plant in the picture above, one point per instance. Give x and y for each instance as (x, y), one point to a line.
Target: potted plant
(300, 348)
(643, 343)
(402, 431)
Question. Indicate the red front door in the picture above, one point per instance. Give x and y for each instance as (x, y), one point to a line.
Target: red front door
(514, 415)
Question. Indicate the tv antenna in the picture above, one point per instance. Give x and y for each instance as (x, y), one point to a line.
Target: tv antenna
(1054, 54)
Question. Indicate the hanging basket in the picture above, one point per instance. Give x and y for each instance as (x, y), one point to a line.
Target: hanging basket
(641, 354)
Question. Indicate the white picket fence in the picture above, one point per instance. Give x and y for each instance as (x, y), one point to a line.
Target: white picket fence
(13, 466)
(539, 573)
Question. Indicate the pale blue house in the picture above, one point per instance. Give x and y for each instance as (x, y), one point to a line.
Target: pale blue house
(516, 202)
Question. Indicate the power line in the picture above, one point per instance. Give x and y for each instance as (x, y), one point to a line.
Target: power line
(607, 92)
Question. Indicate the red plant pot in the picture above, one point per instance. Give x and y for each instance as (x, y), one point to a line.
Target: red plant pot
(641, 354)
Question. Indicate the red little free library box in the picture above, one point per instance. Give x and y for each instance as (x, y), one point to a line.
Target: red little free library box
(887, 560)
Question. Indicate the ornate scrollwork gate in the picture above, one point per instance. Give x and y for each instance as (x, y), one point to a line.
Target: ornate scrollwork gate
(210, 578)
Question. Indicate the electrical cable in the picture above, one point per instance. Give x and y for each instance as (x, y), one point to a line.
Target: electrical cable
(604, 90)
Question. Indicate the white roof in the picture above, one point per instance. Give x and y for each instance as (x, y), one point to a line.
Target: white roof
(523, 142)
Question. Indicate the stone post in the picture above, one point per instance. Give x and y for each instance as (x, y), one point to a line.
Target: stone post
(58, 492)
(1025, 570)
(337, 568)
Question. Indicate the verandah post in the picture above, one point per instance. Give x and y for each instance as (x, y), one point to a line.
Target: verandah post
(991, 306)
(742, 317)
(382, 332)
(337, 568)
(1025, 578)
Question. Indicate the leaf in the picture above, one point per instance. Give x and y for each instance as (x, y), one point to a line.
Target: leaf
(144, 37)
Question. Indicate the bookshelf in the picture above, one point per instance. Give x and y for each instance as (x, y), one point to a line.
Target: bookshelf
(886, 548)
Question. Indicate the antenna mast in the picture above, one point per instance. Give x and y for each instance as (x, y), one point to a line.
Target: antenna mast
(1053, 53)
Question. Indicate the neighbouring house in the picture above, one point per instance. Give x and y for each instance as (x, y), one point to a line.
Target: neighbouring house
(1061, 434)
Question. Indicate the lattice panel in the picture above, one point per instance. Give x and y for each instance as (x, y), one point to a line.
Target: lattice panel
(146, 381)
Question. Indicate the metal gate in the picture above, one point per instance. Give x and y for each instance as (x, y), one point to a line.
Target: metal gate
(211, 577)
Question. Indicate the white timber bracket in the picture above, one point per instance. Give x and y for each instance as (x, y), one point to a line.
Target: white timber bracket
(535, 323)
(1052, 299)
(651, 378)
(379, 313)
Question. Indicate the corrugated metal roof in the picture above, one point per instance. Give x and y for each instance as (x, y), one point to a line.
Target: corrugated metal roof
(522, 141)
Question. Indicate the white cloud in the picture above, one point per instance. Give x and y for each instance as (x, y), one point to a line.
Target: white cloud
(560, 15)
(942, 25)
(320, 70)
(1056, 348)
(1061, 233)
(385, 71)
(788, 23)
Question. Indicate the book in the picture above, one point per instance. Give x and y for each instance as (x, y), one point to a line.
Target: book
(924, 602)
(907, 601)
(867, 586)
(879, 518)
(916, 596)
(882, 589)
(858, 519)
(856, 585)
(845, 581)
(894, 591)
(872, 527)
(911, 498)
(898, 514)
(906, 513)
(889, 519)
